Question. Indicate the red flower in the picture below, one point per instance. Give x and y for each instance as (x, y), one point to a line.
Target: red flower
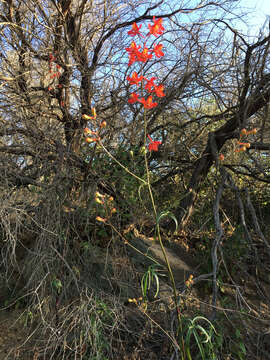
(153, 146)
(133, 52)
(144, 56)
(133, 48)
(158, 50)
(134, 79)
(150, 84)
(135, 30)
(148, 104)
(157, 28)
(133, 98)
(159, 90)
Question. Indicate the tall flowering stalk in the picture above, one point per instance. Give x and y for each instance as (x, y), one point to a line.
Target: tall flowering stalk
(147, 93)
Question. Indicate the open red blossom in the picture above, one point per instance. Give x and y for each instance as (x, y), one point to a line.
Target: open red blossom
(159, 90)
(144, 55)
(133, 52)
(153, 146)
(135, 30)
(157, 28)
(158, 50)
(134, 79)
(133, 98)
(148, 104)
(150, 84)
(133, 48)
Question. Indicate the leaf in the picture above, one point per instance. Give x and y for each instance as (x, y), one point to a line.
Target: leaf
(169, 214)
(198, 341)
(204, 332)
(157, 282)
(243, 348)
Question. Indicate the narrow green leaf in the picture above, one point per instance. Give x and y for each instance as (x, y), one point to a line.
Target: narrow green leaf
(198, 341)
(169, 214)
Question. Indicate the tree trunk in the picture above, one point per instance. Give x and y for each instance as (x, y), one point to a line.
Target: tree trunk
(256, 101)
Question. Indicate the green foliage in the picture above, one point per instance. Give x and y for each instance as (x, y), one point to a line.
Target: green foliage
(236, 250)
(119, 178)
(101, 317)
(231, 344)
(236, 247)
(239, 346)
(57, 285)
(151, 275)
(200, 334)
(27, 318)
(96, 318)
(165, 214)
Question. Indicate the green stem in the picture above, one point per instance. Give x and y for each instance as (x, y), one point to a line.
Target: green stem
(161, 242)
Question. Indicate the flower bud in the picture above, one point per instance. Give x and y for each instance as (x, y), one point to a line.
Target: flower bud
(94, 112)
(143, 150)
(99, 194)
(113, 211)
(221, 157)
(103, 124)
(243, 132)
(89, 140)
(87, 117)
(98, 218)
(98, 200)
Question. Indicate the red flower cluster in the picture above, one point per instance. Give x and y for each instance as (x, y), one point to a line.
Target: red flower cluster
(142, 54)
(135, 55)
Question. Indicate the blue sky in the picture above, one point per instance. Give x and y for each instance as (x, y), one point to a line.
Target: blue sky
(258, 11)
